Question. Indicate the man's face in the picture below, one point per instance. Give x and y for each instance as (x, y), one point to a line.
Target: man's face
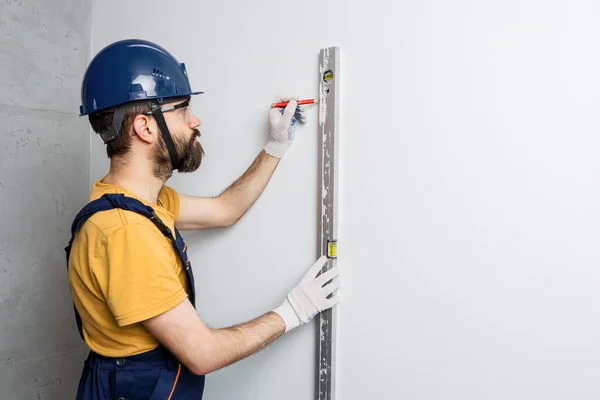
(183, 126)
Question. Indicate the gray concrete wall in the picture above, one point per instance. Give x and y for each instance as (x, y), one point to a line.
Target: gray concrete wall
(44, 180)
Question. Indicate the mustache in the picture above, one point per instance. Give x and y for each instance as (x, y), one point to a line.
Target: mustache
(196, 133)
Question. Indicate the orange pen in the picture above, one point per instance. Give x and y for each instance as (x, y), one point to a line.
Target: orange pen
(283, 104)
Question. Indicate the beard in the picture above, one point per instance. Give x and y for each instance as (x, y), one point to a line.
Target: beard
(189, 154)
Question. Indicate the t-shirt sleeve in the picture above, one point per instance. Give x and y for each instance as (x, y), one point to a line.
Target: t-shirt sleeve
(141, 279)
(169, 198)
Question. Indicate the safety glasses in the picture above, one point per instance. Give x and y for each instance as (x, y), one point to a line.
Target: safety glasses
(167, 109)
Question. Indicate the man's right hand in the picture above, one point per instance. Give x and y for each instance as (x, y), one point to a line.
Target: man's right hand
(203, 350)
(310, 296)
(282, 125)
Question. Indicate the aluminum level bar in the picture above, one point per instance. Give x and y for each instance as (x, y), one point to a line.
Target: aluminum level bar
(329, 60)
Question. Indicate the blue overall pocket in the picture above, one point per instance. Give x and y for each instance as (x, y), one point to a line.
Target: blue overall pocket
(137, 384)
(150, 375)
(155, 375)
(166, 384)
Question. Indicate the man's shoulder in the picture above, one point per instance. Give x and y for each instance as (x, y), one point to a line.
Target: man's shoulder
(110, 221)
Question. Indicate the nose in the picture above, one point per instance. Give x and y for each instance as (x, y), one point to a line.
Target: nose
(195, 121)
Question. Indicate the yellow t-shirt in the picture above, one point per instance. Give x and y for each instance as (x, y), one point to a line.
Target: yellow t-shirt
(122, 271)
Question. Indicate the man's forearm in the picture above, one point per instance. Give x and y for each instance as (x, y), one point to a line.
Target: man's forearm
(240, 341)
(244, 192)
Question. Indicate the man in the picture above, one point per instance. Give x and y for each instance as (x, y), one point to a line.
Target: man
(131, 280)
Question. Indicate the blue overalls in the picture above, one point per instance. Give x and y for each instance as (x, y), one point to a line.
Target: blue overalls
(152, 375)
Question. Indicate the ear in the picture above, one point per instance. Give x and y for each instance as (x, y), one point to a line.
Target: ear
(143, 128)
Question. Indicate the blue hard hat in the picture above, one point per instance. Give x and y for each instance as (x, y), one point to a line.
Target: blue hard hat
(130, 70)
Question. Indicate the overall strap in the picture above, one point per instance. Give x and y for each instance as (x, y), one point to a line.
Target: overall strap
(112, 201)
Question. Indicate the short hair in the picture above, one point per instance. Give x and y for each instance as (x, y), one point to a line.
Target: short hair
(102, 121)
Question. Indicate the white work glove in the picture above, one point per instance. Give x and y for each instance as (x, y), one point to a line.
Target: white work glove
(309, 297)
(282, 124)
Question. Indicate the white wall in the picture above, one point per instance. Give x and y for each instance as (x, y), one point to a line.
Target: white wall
(469, 188)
